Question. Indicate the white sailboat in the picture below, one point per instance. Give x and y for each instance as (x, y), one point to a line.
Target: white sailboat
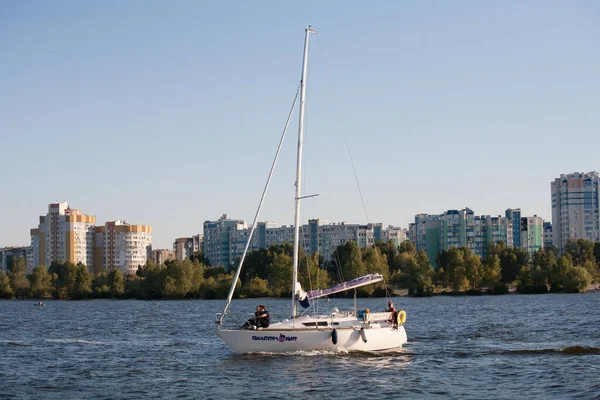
(346, 331)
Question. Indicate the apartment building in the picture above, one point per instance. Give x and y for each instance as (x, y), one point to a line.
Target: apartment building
(394, 233)
(63, 234)
(532, 234)
(425, 234)
(547, 234)
(161, 256)
(120, 245)
(575, 208)
(514, 214)
(221, 239)
(8, 255)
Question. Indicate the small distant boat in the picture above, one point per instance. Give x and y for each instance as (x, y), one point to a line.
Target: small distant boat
(41, 303)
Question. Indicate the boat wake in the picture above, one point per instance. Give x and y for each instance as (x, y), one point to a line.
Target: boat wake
(305, 353)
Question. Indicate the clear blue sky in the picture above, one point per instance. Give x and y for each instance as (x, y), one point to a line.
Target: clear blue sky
(168, 113)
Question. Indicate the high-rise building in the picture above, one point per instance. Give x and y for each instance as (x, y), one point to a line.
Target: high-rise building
(547, 234)
(220, 240)
(394, 233)
(498, 229)
(8, 255)
(426, 234)
(532, 234)
(63, 234)
(161, 256)
(575, 208)
(514, 214)
(185, 248)
(123, 246)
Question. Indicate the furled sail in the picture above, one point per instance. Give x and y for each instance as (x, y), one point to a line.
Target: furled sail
(304, 297)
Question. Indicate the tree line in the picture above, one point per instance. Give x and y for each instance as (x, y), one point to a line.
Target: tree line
(267, 272)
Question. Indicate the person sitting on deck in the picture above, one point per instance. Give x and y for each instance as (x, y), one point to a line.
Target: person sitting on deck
(392, 309)
(261, 318)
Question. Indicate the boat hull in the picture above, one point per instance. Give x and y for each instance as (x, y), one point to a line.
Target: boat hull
(285, 341)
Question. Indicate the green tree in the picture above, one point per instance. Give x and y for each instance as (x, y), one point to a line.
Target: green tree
(17, 275)
(492, 272)
(592, 269)
(224, 285)
(134, 287)
(557, 274)
(512, 260)
(6, 291)
(199, 256)
(310, 274)
(257, 287)
(66, 278)
(40, 283)
(153, 280)
(196, 277)
(452, 263)
(474, 271)
(208, 289)
(597, 253)
(544, 259)
(581, 250)
(406, 251)
(524, 280)
(389, 249)
(83, 282)
(116, 283)
(280, 274)
(348, 260)
(375, 262)
(178, 281)
(577, 280)
(419, 272)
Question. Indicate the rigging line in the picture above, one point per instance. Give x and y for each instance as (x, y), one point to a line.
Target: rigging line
(337, 108)
(262, 199)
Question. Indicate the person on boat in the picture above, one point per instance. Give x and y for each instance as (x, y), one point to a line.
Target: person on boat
(392, 309)
(261, 318)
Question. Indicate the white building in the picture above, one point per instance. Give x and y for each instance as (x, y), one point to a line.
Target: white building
(394, 233)
(123, 246)
(575, 208)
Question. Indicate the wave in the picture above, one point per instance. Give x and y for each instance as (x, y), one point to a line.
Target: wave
(570, 351)
(74, 341)
(16, 343)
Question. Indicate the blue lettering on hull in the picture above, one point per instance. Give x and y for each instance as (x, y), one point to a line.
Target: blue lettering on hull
(281, 338)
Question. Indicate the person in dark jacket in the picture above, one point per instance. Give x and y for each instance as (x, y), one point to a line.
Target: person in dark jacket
(261, 318)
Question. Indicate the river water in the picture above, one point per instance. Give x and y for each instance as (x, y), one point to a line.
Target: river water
(501, 347)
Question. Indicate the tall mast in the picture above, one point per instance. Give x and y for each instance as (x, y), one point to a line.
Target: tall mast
(299, 171)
